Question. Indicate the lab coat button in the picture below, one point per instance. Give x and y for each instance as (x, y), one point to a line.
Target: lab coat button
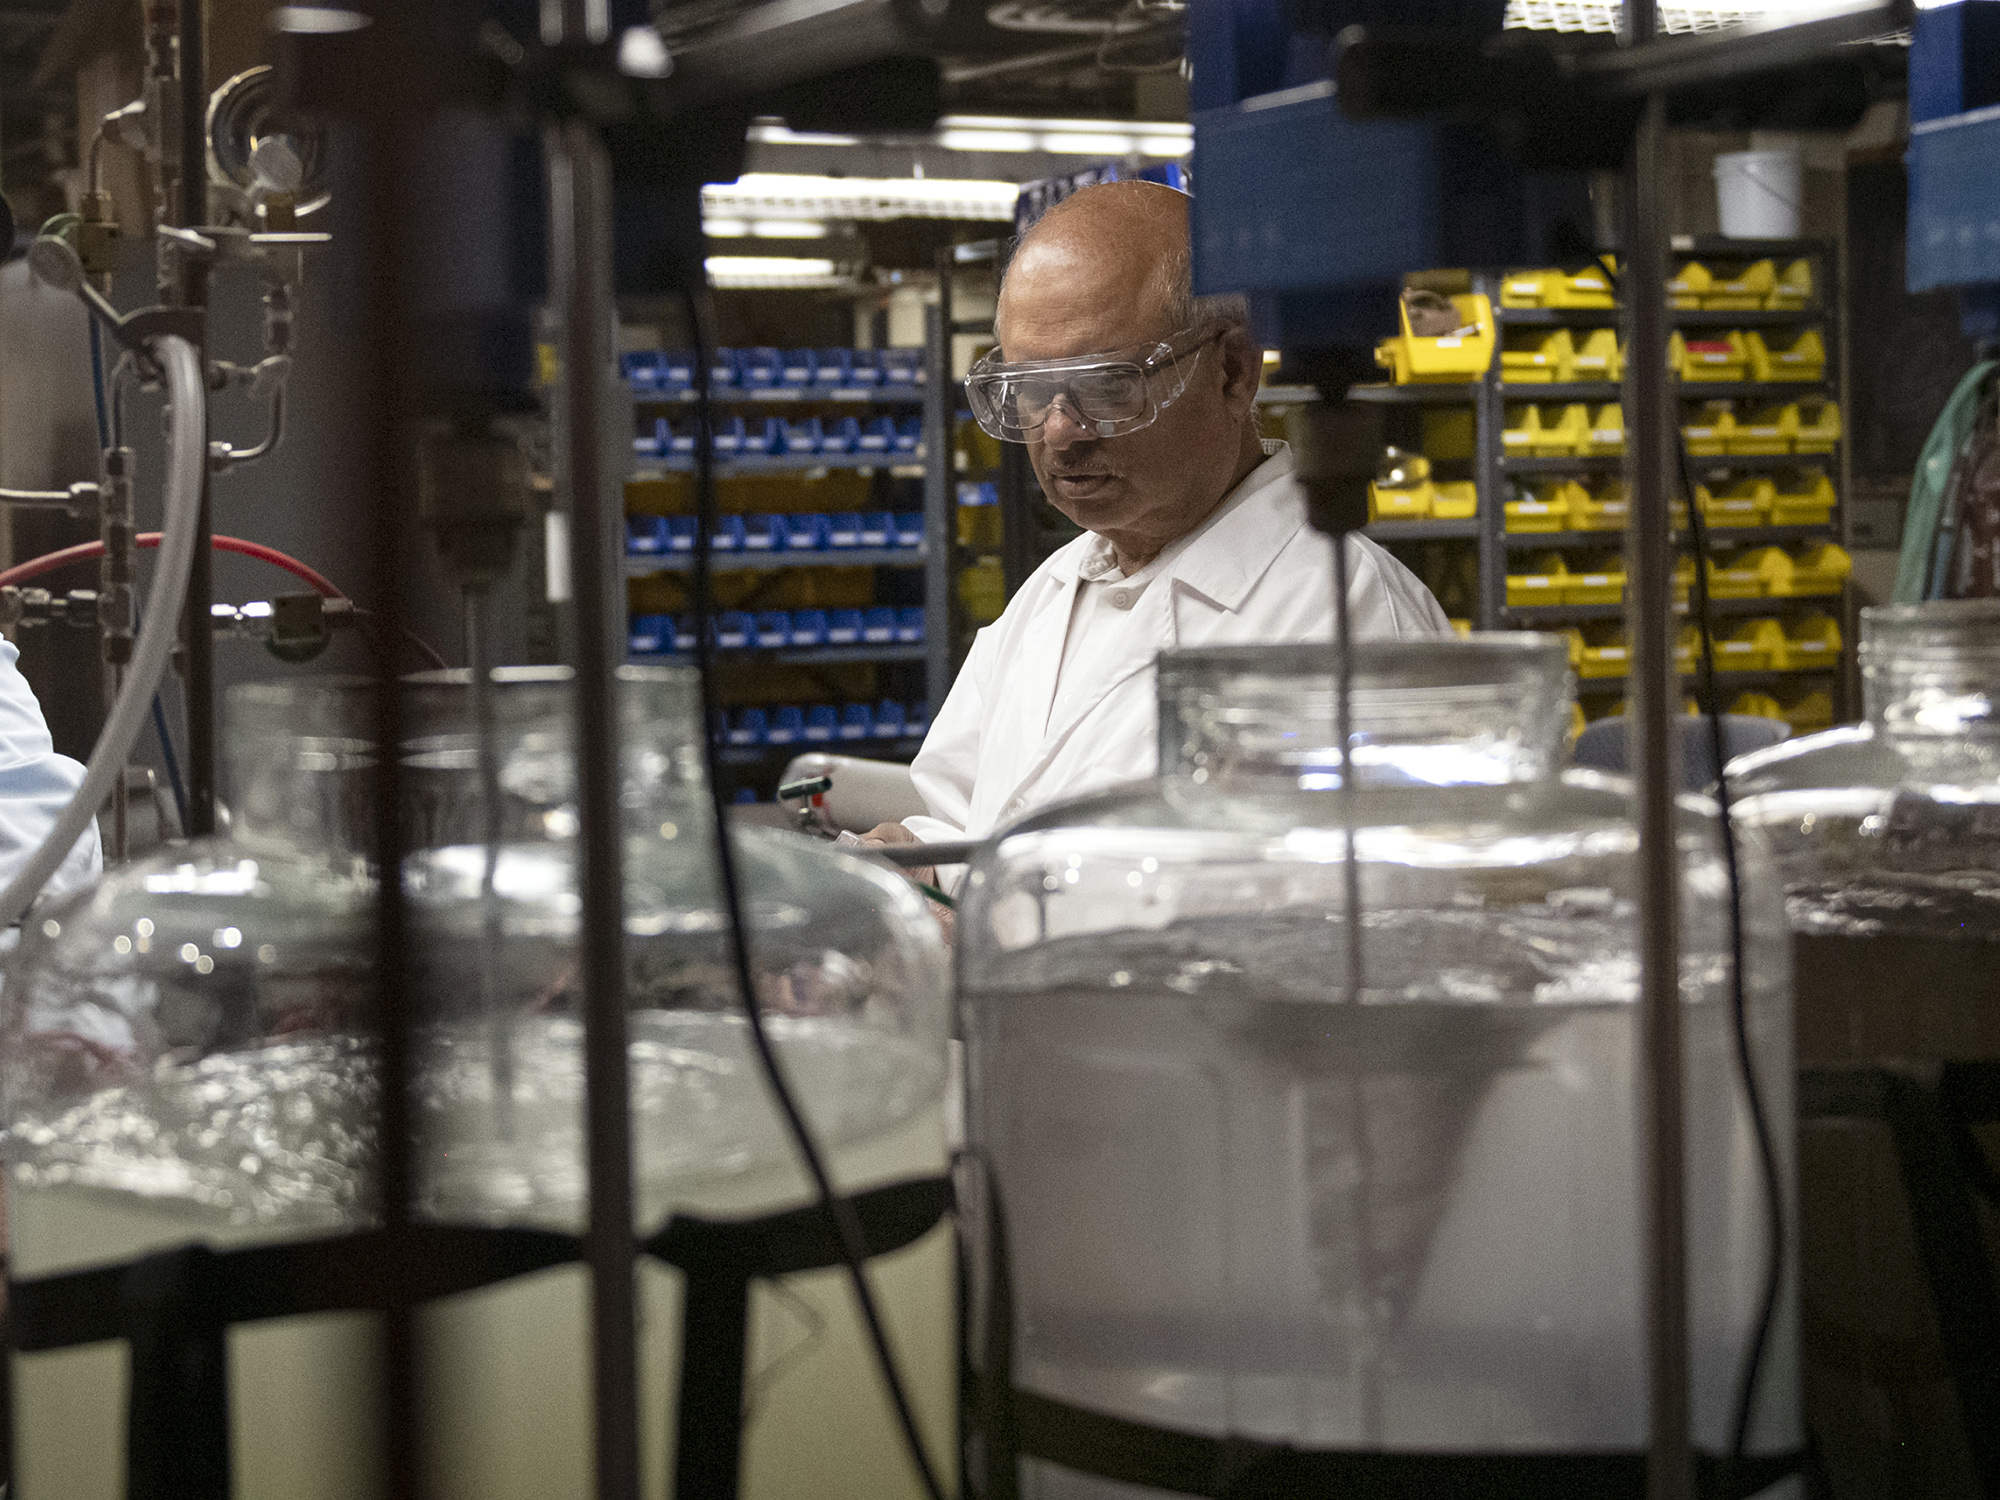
(1121, 598)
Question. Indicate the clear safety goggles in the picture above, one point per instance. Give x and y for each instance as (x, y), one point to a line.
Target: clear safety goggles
(1107, 395)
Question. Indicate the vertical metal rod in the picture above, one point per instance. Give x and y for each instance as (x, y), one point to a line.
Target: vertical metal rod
(1651, 422)
(939, 512)
(499, 1021)
(120, 794)
(391, 260)
(1343, 729)
(580, 279)
(191, 210)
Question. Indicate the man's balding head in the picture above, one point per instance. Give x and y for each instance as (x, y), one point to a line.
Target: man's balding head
(1105, 270)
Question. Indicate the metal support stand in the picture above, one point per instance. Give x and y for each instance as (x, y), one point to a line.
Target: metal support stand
(1650, 427)
(580, 279)
(197, 636)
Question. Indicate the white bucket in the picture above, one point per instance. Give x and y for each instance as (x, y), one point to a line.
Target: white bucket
(1760, 194)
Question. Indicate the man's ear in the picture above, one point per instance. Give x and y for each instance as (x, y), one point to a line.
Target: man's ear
(1242, 366)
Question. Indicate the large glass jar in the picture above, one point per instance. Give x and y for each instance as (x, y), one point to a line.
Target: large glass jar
(1243, 1201)
(849, 967)
(1888, 841)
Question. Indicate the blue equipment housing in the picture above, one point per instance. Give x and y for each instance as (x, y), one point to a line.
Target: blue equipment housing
(1954, 221)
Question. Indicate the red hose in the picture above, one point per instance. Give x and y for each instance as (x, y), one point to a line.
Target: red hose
(34, 567)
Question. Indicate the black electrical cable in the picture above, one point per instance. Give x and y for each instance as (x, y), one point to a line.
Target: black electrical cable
(839, 1211)
(1709, 697)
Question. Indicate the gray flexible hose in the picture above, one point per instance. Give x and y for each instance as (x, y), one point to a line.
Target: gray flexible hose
(187, 453)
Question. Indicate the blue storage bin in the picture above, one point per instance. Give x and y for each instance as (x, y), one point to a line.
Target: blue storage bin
(878, 626)
(909, 434)
(802, 437)
(774, 629)
(787, 725)
(684, 641)
(734, 629)
(835, 367)
(878, 529)
(760, 369)
(856, 723)
(750, 727)
(822, 723)
(807, 531)
(730, 436)
(642, 369)
(723, 367)
(918, 720)
(680, 533)
(843, 627)
(718, 727)
(879, 436)
(844, 530)
(889, 720)
(728, 534)
(680, 440)
(645, 536)
(744, 797)
(910, 528)
(902, 366)
(910, 624)
(800, 368)
(808, 627)
(675, 371)
(764, 534)
(650, 635)
(764, 435)
(841, 435)
(866, 369)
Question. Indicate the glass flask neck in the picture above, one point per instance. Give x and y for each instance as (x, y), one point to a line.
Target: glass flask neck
(1485, 712)
(1932, 671)
(301, 759)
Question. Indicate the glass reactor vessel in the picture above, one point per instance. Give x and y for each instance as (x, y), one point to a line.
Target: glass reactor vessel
(230, 1097)
(1240, 1201)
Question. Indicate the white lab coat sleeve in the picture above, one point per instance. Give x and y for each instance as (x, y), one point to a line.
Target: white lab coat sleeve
(944, 769)
(1385, 600)
(36, 784)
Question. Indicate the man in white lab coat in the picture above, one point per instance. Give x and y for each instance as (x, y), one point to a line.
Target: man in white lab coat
(1136, 401)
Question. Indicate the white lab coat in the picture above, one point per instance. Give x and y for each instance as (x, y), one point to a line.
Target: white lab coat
(36, 784)
(1255, 571)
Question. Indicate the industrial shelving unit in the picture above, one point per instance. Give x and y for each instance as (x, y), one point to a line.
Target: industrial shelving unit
(1492, 469)
(761, 763)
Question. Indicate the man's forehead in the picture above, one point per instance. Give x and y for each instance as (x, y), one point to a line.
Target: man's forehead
(1064, 301)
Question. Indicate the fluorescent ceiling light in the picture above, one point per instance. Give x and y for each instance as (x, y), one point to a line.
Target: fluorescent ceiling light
(1677, 17)
(764, 229)
(317, 20)
(773, 271)
(642, 53)
(1002, 133)
(758, 196)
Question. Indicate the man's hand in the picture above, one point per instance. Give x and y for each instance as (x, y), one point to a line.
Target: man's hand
(896, 833)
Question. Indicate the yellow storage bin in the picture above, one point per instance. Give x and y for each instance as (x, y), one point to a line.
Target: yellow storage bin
(1754, 646)
(1461, 628)
(1764, 430)
(1756, 706)
(1812, 643)
(1449, 432)
(1804, 358)
(1540, 505)
(1689, 284)
(1708, 428)
(1563, 431)
(1819, 427)
(1455, 500)
(1794, 289)
(1590, 287)
(1749, 575)
(1541, 582)
(1529, 288)
(1715, 356)
(1818, 569)
(1596, 579)
(1530, 356)
(1747, 502)
(1687, 645)
(1604, 652)
(1402, 488)
(1455, 357)
(1606, 508)
(1598, 356)
(1746, 289)
(1573, 638)
(1577, 722)
(1520, 428)
(1804, 498)
(1683, 578)
(1606, 437)
(1809, 713)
